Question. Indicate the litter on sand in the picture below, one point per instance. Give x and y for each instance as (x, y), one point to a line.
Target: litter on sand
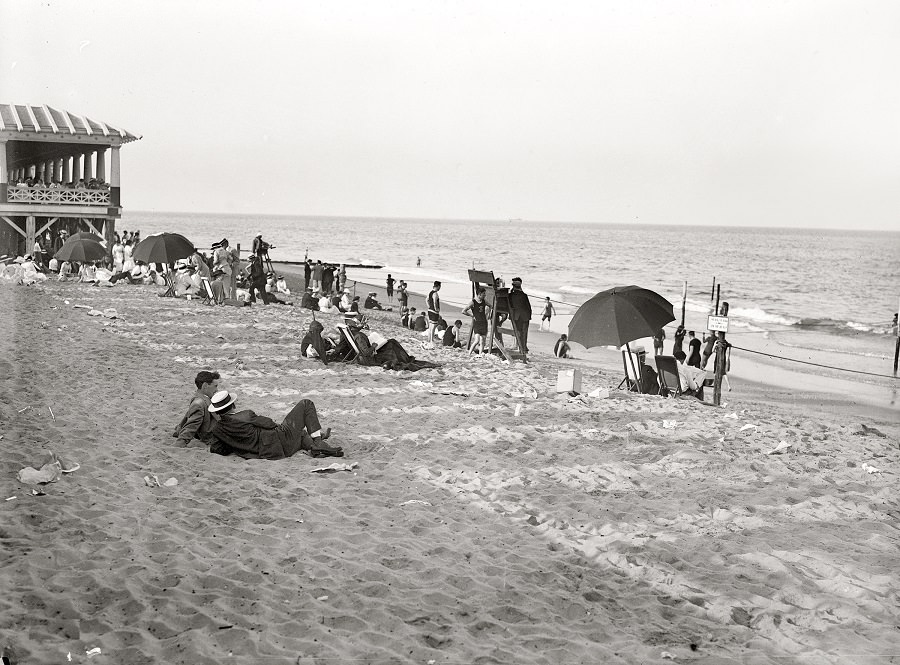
(50, 472)
(412, 501)
(337, 466)
(153, 481)
(868, 468)
(780, 448)
(747, 426)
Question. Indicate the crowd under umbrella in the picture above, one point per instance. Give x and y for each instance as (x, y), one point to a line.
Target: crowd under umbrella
(82, 250)
(618, 316)
(165, 248)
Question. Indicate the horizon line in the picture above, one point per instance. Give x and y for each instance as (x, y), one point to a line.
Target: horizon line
(517, 220)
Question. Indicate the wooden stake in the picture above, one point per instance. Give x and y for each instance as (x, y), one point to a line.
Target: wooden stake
(712, 292)
(683, 301)
(718, 291)
(720, 360)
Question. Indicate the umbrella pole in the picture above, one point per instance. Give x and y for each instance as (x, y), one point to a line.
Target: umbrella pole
(633, 369)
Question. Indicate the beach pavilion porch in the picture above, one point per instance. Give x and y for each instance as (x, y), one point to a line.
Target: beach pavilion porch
(57, 170)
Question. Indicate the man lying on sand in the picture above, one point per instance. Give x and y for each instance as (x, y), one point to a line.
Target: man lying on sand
(257, 437)
(196, 422)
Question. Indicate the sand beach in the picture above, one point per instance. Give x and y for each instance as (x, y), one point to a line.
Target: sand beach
(482, 518)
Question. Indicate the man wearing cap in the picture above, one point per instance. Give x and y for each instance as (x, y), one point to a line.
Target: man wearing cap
(195, 424)
(521, 311)
(260, 247)
(258, 437)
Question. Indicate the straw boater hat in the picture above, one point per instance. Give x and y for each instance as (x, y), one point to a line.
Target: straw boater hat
(221, 400)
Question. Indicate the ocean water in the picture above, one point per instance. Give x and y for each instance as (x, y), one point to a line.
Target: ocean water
(811, 294)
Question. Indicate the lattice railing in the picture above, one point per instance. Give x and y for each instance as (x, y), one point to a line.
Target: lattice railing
(84, 197)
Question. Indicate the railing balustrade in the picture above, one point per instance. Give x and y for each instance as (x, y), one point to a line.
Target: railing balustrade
(77, 196)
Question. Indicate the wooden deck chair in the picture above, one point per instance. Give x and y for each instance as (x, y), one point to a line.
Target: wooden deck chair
(667, 370)
(347, 335)
(206, 290)
(633, 370)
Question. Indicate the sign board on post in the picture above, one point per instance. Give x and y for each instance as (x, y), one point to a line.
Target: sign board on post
(717, 324)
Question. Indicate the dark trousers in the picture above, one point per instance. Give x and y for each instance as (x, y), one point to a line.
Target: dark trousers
(259, 287)
(521, 326)
(303, 415)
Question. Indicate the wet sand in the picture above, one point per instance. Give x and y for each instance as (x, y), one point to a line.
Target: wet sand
(630, 529)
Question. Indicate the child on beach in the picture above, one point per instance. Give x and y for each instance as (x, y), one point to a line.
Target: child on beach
(479, 310)
(561, 349)
(548, 312)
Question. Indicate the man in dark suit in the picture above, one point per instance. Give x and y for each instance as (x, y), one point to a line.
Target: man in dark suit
(521, 311)
(196, 422)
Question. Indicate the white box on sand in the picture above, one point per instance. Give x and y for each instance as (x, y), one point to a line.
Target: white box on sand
(568, 380)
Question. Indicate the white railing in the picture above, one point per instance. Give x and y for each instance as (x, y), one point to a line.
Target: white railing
(85, 197)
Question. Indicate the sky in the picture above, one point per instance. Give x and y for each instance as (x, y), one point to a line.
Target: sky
(757, 113)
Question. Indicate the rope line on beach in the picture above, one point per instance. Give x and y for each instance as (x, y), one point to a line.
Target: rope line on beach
(806, 362)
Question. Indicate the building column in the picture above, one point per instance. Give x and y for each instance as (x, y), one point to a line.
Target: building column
(29, 234)
(76, 168)
(115, 191)
(101, 164)
(88, 167)
(67, 169)
(4, 175)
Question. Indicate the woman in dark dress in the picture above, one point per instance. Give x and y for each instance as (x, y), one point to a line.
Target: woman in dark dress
(694, 344)
(479, 310)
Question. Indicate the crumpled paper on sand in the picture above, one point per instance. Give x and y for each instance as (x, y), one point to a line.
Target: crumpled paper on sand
(337, 466)
(49, 473)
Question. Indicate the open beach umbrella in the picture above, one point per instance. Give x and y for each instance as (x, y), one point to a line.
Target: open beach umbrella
(86, 235)
(164, 248)
(618, 316)
(82, 250)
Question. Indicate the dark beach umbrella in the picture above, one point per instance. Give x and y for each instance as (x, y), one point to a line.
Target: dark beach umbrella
(82, 250)
(618, 316)
(164, 248)
(86, 235)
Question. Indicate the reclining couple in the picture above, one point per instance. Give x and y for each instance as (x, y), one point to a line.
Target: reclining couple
(212, 418)
(370, 349)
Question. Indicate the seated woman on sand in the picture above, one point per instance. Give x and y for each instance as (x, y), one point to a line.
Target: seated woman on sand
(251, 436)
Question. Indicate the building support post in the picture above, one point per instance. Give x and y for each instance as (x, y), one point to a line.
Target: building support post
(101, 165)
(88, 166)
(67, 170)
(4, 182)
(29, 234)
(115, 197)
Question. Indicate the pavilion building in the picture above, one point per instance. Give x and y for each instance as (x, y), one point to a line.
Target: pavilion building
(57, 170)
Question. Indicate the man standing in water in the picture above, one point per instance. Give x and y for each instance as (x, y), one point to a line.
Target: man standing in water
(434, 311)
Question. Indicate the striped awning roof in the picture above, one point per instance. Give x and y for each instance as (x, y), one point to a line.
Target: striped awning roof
(44, 119)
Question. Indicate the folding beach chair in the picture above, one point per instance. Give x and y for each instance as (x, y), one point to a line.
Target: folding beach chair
(634, 366)
(206, 289)
(667, 369)
(353, 353)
